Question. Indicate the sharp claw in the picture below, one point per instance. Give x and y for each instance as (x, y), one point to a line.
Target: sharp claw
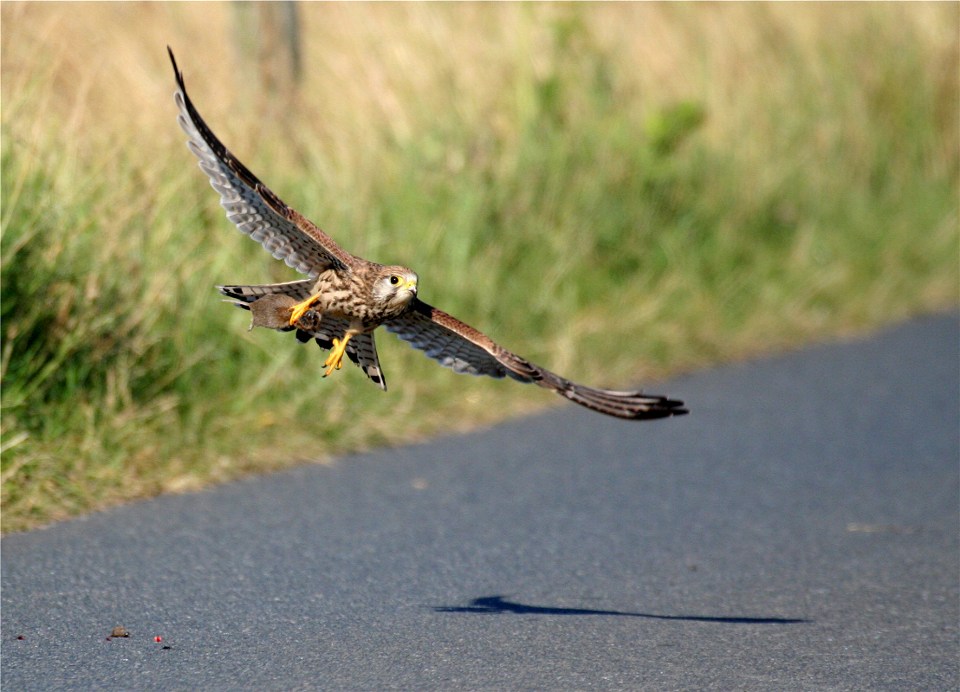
(301, 308)
(334, 361)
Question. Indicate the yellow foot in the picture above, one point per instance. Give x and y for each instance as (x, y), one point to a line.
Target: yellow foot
(300, 308)
(335, 359)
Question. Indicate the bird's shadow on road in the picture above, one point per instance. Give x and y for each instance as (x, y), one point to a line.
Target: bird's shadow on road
(498, 605)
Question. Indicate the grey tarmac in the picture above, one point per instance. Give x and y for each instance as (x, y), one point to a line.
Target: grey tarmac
(798, 530)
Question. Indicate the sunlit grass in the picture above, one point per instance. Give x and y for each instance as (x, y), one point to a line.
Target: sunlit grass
(619, 192)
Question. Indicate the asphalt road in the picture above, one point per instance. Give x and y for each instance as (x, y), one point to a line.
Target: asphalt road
(798, 530)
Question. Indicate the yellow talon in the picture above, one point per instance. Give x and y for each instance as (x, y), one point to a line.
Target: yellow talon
(300, 308)
(335, 359)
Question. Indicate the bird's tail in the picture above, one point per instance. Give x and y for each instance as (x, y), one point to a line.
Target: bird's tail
(242, 296)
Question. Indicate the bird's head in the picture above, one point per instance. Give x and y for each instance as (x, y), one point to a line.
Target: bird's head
(395, 286)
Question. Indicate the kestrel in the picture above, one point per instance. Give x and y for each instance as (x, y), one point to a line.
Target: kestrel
(345, 298)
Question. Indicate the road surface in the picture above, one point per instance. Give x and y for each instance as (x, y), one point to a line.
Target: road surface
(798, 530)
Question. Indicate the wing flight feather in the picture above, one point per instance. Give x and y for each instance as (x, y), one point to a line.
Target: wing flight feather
(459, 346)
(252, 206)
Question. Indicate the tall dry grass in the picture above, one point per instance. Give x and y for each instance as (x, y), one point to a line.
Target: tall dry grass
(619, 191)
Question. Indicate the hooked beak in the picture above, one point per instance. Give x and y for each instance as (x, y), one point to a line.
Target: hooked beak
(412, 286)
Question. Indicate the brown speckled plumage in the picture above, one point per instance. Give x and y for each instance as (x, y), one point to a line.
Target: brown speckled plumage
(345, 298)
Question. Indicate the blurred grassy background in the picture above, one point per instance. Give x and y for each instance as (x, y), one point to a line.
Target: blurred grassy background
(618, 191)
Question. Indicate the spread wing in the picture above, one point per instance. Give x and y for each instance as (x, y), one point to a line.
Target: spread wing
(251, 205)
(361, 349)
(464, 349)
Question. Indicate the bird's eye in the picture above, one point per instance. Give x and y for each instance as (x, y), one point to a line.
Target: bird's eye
(394, 280)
